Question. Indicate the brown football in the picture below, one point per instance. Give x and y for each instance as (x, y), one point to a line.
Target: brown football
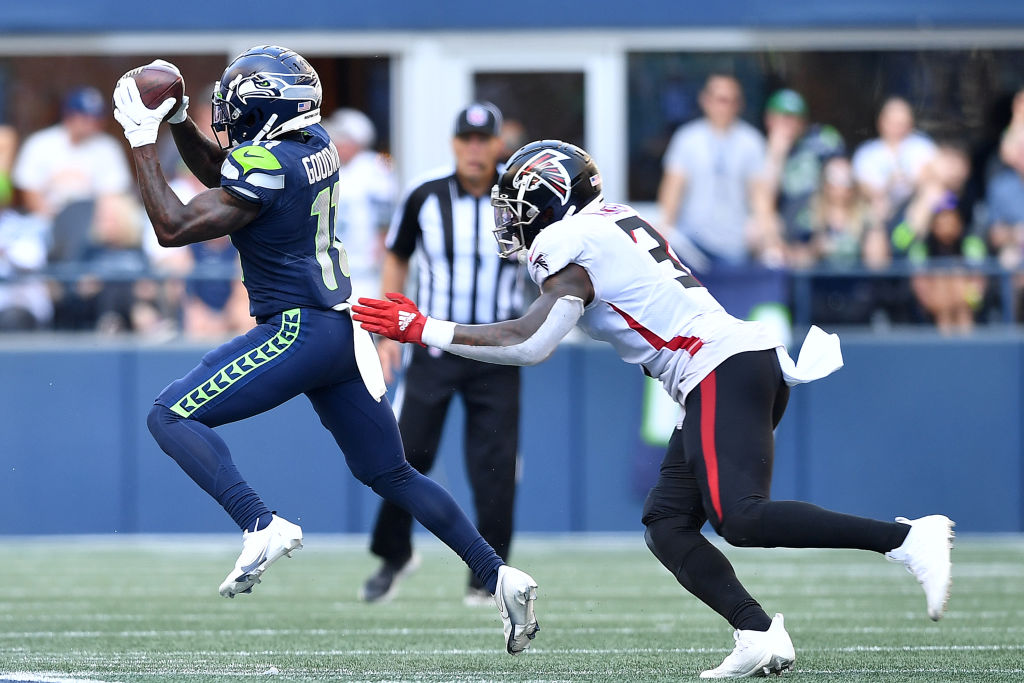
(157, 83)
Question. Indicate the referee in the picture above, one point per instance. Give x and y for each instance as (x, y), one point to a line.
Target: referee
(446, 224)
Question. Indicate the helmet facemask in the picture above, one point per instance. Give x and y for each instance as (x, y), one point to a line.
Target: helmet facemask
(512, 223)
(224, 113)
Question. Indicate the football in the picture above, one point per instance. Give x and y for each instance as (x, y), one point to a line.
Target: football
(156, 83)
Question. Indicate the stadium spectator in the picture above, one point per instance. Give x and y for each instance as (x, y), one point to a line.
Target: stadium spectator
(24, 301)
(366, 197)
(8, 150)
(842, 232)
(947, 289)
(61, 172)
(114, 295)
(213, 301)
(278, 213)
(605, 267)
(705, 196)
(1013, 137)
(446, 223)
(844, 235)
(888, 168)
(944, 174)
(215, 304)
(792, 174)
(73, 160)
(1005, 202)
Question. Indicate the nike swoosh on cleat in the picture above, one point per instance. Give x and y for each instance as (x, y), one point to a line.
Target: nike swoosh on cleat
(247, 569)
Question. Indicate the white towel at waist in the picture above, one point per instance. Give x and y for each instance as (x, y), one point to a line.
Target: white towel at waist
(819, 357)
(367, 359)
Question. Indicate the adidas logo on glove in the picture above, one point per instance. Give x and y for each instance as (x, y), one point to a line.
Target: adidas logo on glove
(404, 318)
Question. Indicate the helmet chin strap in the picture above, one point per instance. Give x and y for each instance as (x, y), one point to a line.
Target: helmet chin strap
(267, 127)
(269, 132)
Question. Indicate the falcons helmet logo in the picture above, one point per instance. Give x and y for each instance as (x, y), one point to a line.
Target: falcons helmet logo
(545, 168)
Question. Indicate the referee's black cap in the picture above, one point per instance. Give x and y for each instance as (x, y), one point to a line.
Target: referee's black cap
(480, 117)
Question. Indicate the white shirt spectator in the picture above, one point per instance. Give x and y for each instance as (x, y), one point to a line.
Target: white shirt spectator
(894, 170)
(22, 252)
(64, 172)
(719, 167)
(366, 196)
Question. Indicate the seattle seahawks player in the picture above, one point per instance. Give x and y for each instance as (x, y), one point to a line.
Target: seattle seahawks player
(274, 190)
(602, 266)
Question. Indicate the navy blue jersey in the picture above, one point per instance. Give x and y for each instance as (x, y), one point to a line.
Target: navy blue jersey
(290, 255)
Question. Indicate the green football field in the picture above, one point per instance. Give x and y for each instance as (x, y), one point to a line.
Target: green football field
(147, 609)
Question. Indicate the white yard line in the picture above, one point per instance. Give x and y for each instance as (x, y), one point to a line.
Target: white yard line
(538, 651)
(35, 677)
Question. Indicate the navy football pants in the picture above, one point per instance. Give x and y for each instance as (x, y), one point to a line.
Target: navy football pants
(303, 351)
(718, 468)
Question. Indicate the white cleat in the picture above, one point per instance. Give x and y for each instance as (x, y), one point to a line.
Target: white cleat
(925, 553)
(757, 654)
(260, 549)
(515, 594)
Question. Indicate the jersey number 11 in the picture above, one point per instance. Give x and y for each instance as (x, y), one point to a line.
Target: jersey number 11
(325, 209)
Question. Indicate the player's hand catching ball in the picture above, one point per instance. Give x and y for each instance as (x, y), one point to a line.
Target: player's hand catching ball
(181, 113)
(140, 123)
(396, 318)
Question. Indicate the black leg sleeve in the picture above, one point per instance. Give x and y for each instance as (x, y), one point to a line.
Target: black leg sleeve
(674, 514)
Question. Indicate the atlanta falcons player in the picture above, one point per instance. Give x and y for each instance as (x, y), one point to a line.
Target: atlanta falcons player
(602, 266)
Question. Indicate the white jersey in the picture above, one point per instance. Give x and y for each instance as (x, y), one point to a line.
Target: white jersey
(646, 303)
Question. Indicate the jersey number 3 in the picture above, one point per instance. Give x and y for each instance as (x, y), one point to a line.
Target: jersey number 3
(641, 232)
(325, 208)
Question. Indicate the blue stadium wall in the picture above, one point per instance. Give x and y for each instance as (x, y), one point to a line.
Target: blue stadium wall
(104, 16)
(908, 427)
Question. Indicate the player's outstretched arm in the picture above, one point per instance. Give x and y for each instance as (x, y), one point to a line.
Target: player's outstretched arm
(524, 341)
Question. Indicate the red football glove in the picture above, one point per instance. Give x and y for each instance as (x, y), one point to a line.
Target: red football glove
(397, 318)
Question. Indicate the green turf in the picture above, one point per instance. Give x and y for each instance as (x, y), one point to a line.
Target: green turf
(139, 610)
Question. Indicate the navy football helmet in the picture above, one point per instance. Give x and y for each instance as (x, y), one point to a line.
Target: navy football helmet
(544, 182)
(265, 92)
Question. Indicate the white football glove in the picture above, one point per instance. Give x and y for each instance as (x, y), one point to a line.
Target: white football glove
(181, 113)
(140, 123)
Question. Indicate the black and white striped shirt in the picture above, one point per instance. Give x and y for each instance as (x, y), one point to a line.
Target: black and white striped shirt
(460, 275)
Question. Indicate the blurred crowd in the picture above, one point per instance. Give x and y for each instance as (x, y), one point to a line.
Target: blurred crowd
(796, 197)
(885, 231)
(77, 252)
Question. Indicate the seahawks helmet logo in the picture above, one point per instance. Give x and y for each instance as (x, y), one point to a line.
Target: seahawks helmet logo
(263, 85)
(545, 168)
(270, 86)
